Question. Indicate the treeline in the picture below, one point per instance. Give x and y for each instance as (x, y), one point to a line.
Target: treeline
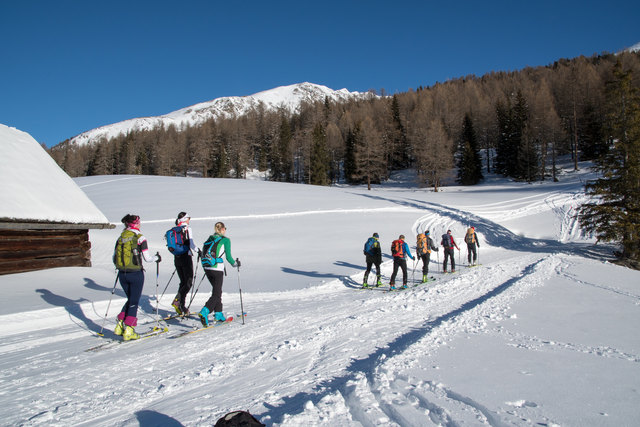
(513, 123)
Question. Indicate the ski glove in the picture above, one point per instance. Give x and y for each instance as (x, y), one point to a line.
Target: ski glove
(238, 264)
(158, 257)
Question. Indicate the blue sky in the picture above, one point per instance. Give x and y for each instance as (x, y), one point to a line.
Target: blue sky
(69, 66)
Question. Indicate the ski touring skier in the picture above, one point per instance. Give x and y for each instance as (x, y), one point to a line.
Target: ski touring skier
(215, 250)
(373, 256)
(424, 246)
(448, 243)
(400, 250)
(130, 249)
(181, 244)
(471, 239)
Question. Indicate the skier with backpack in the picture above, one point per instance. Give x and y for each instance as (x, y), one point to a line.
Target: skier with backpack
(180, 244)
(424, 246)
(448, 243)
(471, 239)
(373, 256)
(131, 247)
(215, 250)
(399, 250)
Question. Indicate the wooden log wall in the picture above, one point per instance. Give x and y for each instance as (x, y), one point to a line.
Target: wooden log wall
(29, 250)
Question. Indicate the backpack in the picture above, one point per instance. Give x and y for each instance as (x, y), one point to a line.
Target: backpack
(369, 245)
(470, 238)
(127, 256)
(397, 248)
(238, 419)
(209, 251)
(421, 246)
(177, 242)
(446, 241)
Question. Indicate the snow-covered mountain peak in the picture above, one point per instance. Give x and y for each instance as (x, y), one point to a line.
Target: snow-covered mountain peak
(288, 98)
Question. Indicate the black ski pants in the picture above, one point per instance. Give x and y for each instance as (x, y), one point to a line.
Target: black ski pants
(184, 267)
(471, 249)
(214, 304)
(425, 262)
(371, 261)
(448, 253)
(399, 263)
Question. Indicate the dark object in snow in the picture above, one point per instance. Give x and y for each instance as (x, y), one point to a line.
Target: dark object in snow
(238, 419)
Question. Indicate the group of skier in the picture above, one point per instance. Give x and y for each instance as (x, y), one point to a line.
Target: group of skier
(424, 246)
(132, 247)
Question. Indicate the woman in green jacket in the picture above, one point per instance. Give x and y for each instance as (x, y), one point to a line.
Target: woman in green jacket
(215, 250)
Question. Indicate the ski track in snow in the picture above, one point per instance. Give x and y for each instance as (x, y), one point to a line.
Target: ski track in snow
(356, 371)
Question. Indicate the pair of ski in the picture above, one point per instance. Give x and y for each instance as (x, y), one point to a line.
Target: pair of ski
(401, 288)
(213, 324)
(156, 330)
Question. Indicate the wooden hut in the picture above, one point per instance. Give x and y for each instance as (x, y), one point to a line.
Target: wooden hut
(45, 217)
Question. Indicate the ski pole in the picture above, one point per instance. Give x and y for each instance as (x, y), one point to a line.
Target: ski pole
(157, 278)
(413, 273)
(196, 292)
(240, 289)
(170, 278)
(113, 291)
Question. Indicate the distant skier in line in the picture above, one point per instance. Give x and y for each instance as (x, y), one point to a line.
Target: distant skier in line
(131, 247)
(214, 251)
(184, 264)
(400, 250)
(448, 243)
(424, 246)
(471, 239)
(373, 256)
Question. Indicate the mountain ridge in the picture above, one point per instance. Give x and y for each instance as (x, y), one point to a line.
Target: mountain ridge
(288, 98)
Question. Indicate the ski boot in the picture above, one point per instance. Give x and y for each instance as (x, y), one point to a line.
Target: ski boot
(404, 286)
(364, 284)
(130, 334)
(204, 316)
(425, 278)
(378, 282)
(119, 330)
(392, 287)
(219, 316)
(176, 305)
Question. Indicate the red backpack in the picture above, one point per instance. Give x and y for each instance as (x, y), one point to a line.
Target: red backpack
(397, 248)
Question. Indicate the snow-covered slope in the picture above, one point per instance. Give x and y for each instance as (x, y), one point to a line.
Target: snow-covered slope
(288, 97)
(544, 332)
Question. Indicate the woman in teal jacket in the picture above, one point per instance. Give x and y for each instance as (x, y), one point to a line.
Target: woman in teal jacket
(214, 251)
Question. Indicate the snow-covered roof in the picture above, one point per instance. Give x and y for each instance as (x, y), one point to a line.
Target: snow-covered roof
(36, 189)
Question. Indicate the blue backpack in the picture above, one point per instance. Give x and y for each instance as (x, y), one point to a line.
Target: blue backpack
(368, 246)
(209, 251)
(177, 241)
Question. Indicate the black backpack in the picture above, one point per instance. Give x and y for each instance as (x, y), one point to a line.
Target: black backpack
(238, 419)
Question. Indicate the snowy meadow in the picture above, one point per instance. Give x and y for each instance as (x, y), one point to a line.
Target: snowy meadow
(544, 332)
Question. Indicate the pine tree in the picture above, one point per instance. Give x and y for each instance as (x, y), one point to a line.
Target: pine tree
(281, 156)
(613, 213)
(350, 154)
(469, 161)
(319, 174)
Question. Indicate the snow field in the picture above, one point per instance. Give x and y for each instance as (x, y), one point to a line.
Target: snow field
(539, 334)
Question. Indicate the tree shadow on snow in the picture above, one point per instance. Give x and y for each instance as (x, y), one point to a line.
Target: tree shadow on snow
(369, 365)
(348, 281)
